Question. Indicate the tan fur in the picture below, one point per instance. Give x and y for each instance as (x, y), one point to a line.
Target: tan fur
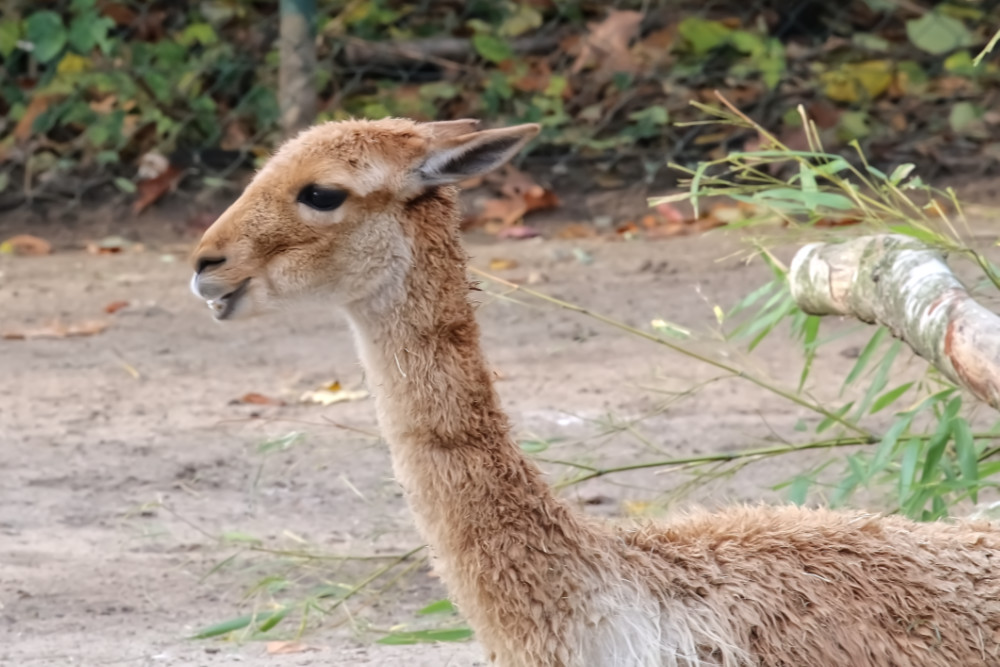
(541, 584)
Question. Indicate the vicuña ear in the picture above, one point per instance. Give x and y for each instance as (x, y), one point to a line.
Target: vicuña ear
(455, 159)
(446, 129)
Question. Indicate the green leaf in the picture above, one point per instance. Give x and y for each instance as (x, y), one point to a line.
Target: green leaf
(198, 33)
(4, 180)
(521, 21)
(900, 173)
(935, 450)
(237, 536)
(45, 30)
(10, 32)
(425, 636)
(272, 620)
(889, 397)
(864, 357)
(238, 623)
(830, 421)
(703, 35)
(534, 446)
(849, 483)
(880, 379)
(125, 185)
(810, 332)
(915, 232)
(968, 457)
(88, 30)
(938, 34)
(282, 443)
(440, 607)
(492, 48)
(963, 116)
(885, 448)
(961, 63)
(908, 467)
(798, 490)
(790, 198)
(755, 296)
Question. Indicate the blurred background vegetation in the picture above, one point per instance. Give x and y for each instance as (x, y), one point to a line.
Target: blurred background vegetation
(100, 94)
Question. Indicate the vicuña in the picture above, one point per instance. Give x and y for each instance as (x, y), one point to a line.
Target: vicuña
(363, 215)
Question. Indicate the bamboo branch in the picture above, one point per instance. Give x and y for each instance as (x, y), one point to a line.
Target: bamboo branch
(906, 286)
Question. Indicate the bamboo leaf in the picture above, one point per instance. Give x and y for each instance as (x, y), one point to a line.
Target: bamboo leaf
(830, 421)
(880, 378)
(885, 448)
(900, 173)
(864, 357)
(425, 636)
(889, 397)
(792, 199)
(908, 467)
(810, 330)
(273, 620)
(935, 450)
(238, 623)
(444, 606)
(798, 490)
(968, 459)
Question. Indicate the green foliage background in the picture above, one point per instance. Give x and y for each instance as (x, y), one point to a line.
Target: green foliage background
(87, 86)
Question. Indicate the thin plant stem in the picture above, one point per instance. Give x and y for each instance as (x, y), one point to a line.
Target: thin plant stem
(760, 382)
(745, 454)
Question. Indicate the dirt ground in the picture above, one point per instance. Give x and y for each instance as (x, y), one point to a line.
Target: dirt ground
(128, 472)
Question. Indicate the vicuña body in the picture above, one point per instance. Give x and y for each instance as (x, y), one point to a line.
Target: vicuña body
(364, 212)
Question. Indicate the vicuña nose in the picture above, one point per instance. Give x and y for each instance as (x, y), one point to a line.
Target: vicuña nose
(203, 263)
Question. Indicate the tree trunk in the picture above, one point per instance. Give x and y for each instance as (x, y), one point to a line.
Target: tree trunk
(906, 286)
(296, 78)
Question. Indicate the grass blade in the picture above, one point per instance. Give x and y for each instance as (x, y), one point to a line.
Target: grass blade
(427, 636)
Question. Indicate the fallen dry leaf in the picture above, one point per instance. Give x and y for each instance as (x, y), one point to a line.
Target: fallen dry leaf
(520, 195)
(726, 213)
(607, 45)
(236, 136)
(254, 398)
(285, 648)
(57, 330)
(150, 190)
(115, 306)
(507, 211)
(576, 230)
(112, 245)
(104, 105)
(837, 222)
(670, 212)
(500, 264)
(518, 232)
(332, 393)
(26, 245)
(37, 106)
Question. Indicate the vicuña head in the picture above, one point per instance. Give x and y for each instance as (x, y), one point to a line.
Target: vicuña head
(324, 214)
(364, 212)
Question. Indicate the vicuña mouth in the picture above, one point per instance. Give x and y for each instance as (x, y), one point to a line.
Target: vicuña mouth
(223, 306)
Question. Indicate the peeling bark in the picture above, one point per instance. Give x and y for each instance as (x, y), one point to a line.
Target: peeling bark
(906, 286)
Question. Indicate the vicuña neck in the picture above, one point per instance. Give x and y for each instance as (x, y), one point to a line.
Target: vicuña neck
(476, 498)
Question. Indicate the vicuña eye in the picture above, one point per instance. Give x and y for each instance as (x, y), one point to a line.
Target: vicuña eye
(321, 199)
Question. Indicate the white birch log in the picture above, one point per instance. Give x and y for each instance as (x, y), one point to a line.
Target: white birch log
(906, 286)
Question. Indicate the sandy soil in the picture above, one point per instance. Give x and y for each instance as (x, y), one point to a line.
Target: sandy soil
(125, 463)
